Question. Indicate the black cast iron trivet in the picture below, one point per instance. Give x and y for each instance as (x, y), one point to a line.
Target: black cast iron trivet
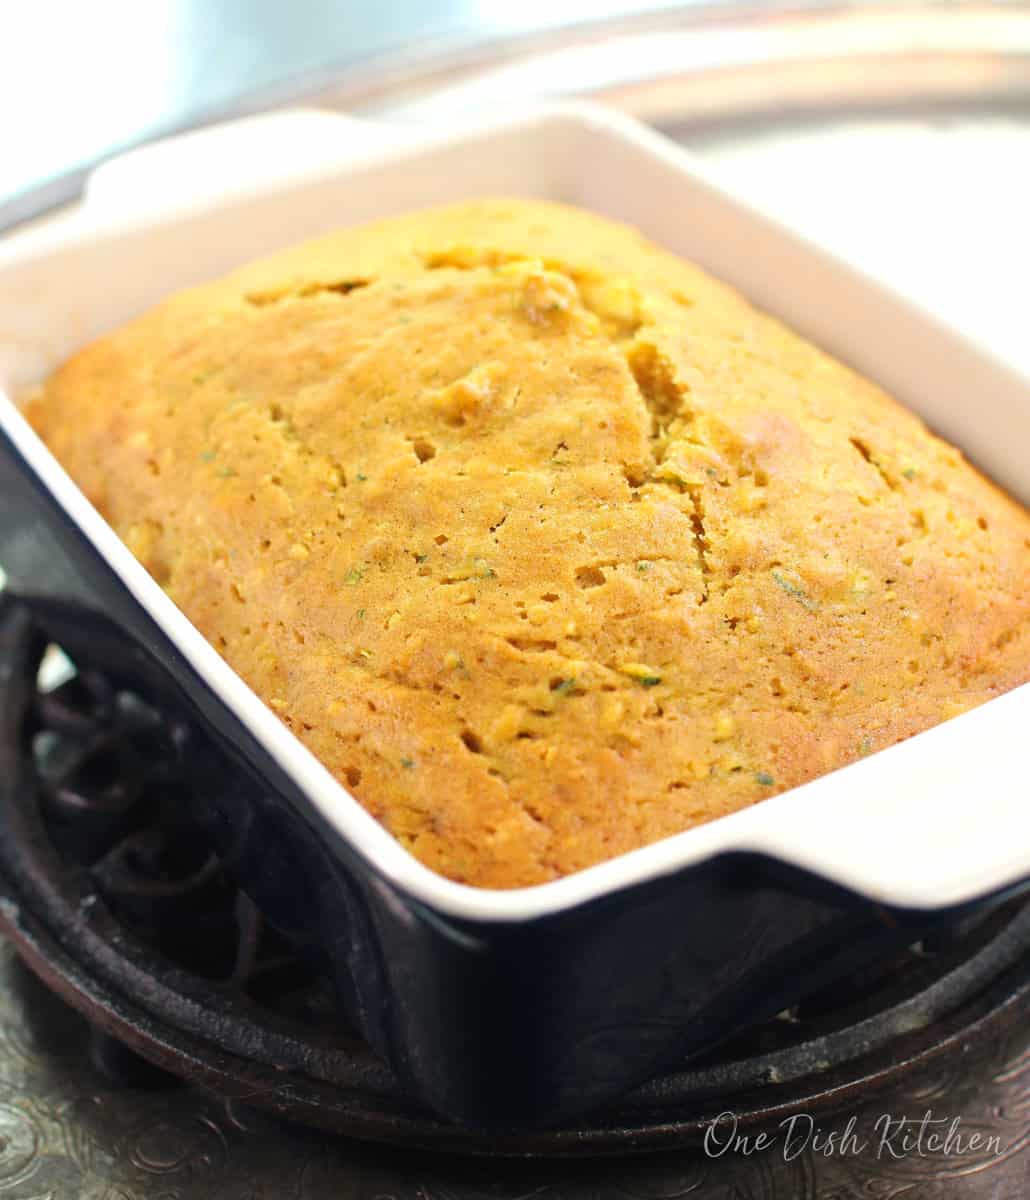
(113, 898)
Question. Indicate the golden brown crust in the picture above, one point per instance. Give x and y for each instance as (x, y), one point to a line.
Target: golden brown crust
(546, 543)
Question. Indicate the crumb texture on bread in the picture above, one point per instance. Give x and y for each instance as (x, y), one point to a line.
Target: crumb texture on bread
(545, 542)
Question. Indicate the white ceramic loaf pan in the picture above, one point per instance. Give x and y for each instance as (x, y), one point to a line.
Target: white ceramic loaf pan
(457, 986)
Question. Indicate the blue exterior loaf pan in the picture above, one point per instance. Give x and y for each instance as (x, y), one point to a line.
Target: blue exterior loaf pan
(506, 1010)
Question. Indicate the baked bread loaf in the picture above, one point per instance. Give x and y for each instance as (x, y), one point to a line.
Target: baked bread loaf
(547, 544)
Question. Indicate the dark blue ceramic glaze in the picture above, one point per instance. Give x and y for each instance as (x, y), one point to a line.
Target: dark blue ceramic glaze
(498, 1025)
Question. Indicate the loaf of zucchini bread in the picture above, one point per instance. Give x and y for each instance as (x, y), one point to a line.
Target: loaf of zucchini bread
(545, 542)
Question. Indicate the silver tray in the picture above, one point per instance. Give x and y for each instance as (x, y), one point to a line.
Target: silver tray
(897, 135)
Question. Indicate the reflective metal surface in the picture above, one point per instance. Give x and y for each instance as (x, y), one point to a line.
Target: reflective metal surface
(66, 1133)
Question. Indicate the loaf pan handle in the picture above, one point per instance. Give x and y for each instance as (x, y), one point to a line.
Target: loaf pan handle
(232, 157)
